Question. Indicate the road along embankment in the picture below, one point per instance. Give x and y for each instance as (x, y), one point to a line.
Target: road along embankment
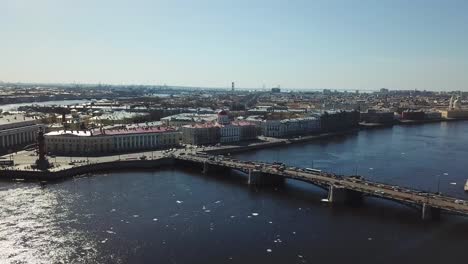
(85, 169)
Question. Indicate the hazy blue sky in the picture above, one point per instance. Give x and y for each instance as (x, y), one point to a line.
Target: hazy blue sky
(360, 44)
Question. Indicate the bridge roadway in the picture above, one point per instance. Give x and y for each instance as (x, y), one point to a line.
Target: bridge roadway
(331, 181)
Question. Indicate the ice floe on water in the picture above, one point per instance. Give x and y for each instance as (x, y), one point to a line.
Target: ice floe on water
(255, 214)
(179, 202)
(104, 241)
(269, 250)
(110, 232)
(155, 219)
(217, 202)
(135, 216)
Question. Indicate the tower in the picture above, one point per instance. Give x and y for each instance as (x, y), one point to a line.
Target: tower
(232, 86)
(41, 144)
(41, 163)
(223, 118)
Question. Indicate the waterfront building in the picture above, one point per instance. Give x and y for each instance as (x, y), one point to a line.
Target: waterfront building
(290, 127)
(106, 141)
(201, 134)
(247, 130)
(223, 131)
(228, 132)
(272, 128)
(377, 117)
(412, 115)
(335, 121)
(432, 115)
(455, 109)
(17, 131)
(456, 114)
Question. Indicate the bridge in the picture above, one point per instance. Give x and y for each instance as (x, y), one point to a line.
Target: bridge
(340, 189)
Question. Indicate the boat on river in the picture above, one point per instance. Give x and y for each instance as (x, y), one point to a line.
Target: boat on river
(466, 186)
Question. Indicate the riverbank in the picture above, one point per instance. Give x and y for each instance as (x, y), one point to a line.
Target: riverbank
(85, 169)
(277, 142)
(408, 122)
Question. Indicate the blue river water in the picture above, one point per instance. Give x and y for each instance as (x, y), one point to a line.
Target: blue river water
(182, 216)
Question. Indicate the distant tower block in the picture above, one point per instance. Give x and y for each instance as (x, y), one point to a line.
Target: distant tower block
(232, 86)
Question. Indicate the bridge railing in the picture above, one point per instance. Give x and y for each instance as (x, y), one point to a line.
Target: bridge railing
(360, 184)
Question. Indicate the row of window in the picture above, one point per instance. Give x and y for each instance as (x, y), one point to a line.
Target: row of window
(152, 138)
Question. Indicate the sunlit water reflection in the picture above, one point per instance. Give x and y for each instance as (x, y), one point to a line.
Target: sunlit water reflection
(36, 226)
(182, 216)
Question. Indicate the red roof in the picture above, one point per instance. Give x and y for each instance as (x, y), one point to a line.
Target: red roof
(243, 123)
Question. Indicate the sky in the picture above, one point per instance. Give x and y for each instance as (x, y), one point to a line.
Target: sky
(299, 44)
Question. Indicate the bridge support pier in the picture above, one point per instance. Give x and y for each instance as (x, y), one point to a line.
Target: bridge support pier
(429, 212)
(260, 178)
(208, 168)
(339, 195)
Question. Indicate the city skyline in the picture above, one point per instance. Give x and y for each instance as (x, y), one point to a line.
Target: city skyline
(300, 45)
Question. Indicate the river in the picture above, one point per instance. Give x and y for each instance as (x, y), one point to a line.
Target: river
(183, 216)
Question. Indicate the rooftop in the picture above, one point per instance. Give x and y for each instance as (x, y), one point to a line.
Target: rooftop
(15, 118)
(110, 132)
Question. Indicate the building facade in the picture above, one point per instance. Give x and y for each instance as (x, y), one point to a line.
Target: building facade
(455, 114)
(378, 117)
(290, 127)
(223, 131)
(17, 131)
(413, 115)
(201, 134)
(335, 121)
(229, 133)
(98, 142)
(247, 130)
